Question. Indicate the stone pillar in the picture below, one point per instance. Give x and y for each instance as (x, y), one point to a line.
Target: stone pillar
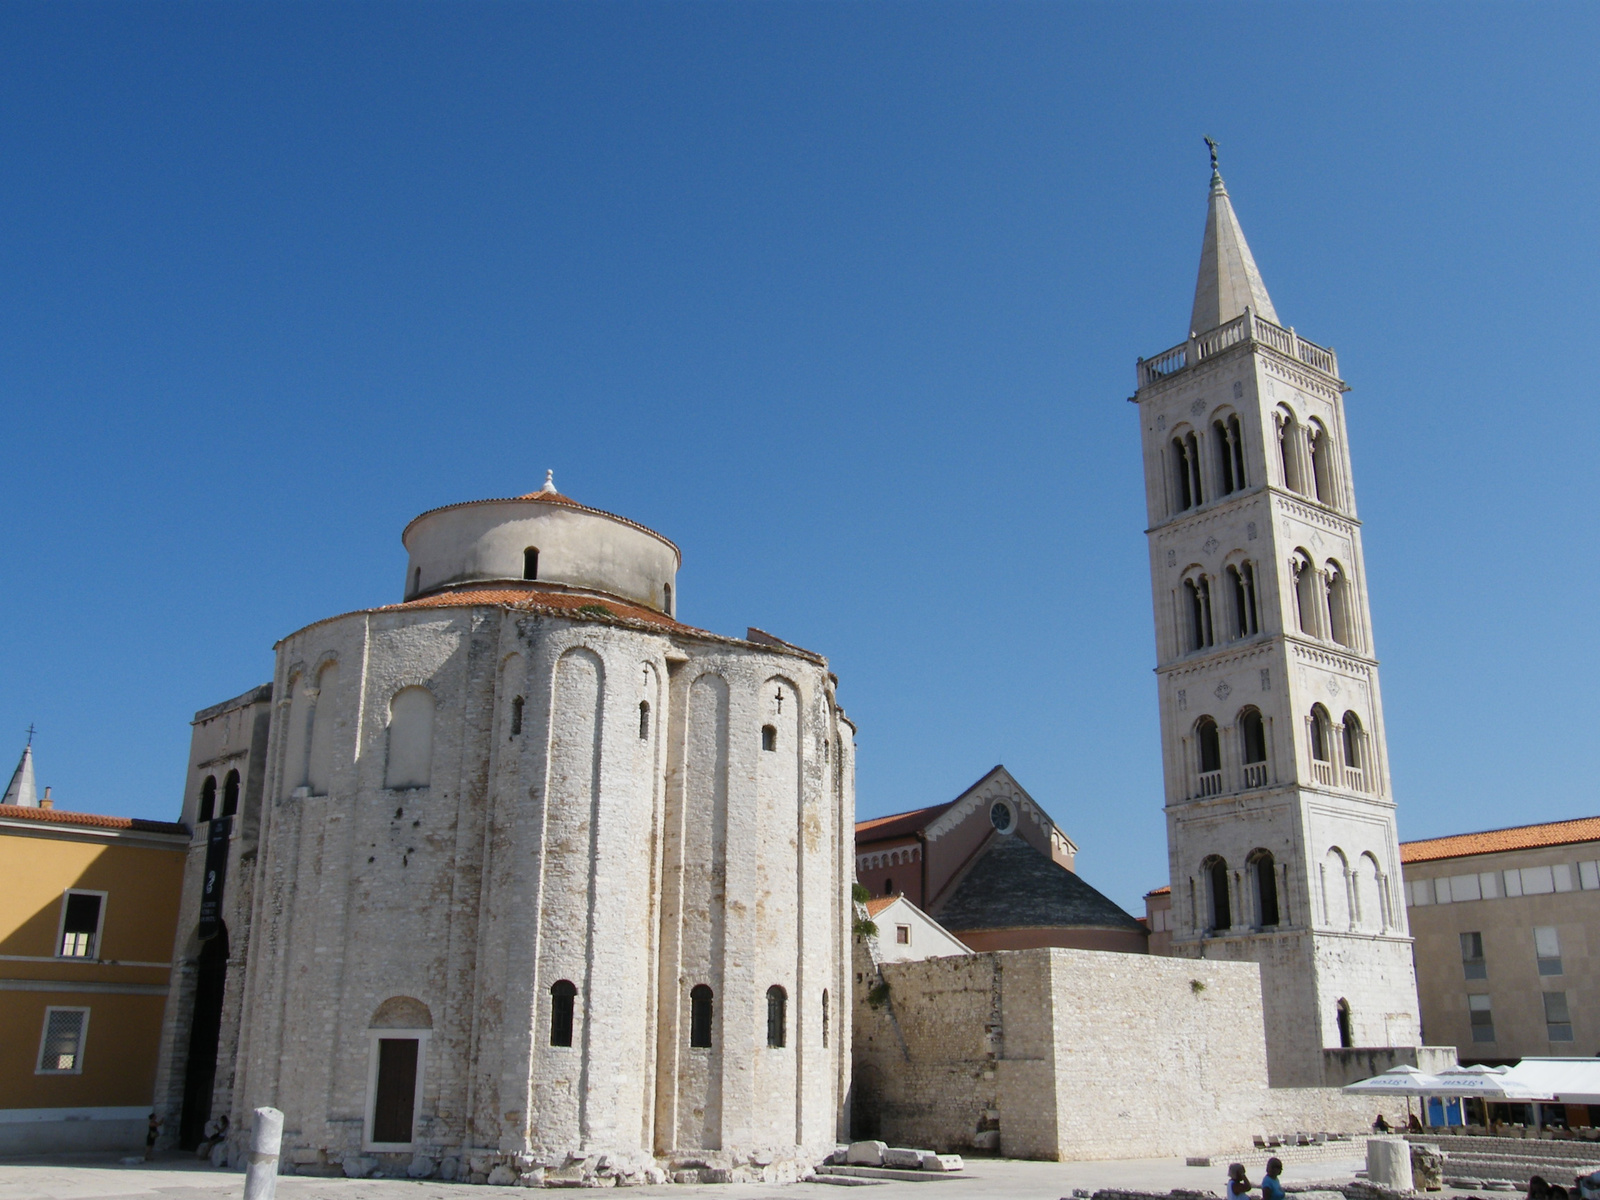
(261, 1175)
(1389, 1163)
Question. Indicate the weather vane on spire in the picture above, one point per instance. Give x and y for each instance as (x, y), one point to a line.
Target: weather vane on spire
(1212, 145)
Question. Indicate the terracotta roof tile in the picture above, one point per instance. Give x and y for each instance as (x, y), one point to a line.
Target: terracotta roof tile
(898, 824)
(874, 907)
(55, 816)
(1160, 891)
(1492, 841)
(566, 603)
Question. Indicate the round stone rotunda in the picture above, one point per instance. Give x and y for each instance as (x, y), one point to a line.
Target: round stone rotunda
(548, 885)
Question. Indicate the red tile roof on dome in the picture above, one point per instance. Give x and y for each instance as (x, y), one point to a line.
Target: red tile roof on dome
(566, 603)
(1492, 841)
(55, 816)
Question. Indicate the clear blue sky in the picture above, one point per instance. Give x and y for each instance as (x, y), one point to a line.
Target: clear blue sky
(845, 299)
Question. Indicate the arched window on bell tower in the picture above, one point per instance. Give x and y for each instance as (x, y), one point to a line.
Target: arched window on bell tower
(1341, 628)
(1228, 437)
(1322, 476)
(1289, 438)
(1197, 606)
(1215, 872)
(1242, 583)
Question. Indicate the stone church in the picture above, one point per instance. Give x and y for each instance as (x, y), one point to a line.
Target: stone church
(1280, 815)
(521, 874)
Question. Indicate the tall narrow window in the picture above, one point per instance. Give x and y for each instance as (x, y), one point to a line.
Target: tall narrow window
(563, 994)
(1221, 913)
(416, 580)
(1339, 622)
(320, 761)
(80, 925)
(1321, 735)
(1482, 1018)
(1347, 1037)
(1547, 949)
(208, 798)
(700, 1017)
(825, 1018)
(1354, 758)
(1253, 735)
(530, 563)
(1197, 594)
(777, 1017)
(666, 598)
(1305, 597)
(1472, 962)
(1236, 443)
(61, 1043)
(1288, 455)
(1321, 461)
(769, 737)
(1210, 747)
(644, 718)
(1557, 1017)
(1242, 579)
(1222, 439)
(1265, 870)
(230, 794)
(1180, 472)
(516, 716)
(1192, 443)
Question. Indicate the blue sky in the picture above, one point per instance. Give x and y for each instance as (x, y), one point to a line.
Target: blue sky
(845, 299)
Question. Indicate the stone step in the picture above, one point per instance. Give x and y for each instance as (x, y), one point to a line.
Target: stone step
(845, 1180)
(885, 1173)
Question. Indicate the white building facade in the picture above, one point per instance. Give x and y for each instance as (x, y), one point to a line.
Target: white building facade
(1281, 822)
(543, 878)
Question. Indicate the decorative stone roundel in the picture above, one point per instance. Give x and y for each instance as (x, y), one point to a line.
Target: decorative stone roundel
(1223, 690)
(1198, 407)
(1211, 545)
(1333, 687)
(1161, 423)
(1250, 530)
(1000, 815)
(1172, 559)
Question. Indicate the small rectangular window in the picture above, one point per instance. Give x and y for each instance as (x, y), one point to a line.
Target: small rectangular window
(1441, 890)
(1563, 876)
(1472, 956)
(1422, 892)
(61, 1044)
(1489, 883)
(902, 935)
(1558, 1021)
(1481, 1017)
(1538, 881)
(1589, 875)
(1513, 882)
(1547, 948)
(80, 925)
(1464, 887)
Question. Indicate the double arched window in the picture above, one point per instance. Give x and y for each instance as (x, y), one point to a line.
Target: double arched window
(1353, 767)
(1187, 492)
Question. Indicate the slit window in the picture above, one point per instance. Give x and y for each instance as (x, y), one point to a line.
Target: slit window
(777, 1017)
(61, 1042)
(666, 598)
(416, 580)
(825, 1018)
(516, 716)
(700, 1017)
(644, 718)
(530, 563)
(563, 995)
(80, 925)
(208, 798)
(1347, 1037)
(769, 737)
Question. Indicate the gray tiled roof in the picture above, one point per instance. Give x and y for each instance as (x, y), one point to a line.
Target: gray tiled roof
(1013, 885)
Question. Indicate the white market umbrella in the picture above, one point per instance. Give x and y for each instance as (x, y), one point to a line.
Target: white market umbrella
(1486, 1083)
(1397, 1081)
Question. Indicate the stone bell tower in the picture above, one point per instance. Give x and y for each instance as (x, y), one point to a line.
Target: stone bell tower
(1280, 819)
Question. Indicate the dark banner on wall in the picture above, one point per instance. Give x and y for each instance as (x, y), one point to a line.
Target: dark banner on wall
(216, 877)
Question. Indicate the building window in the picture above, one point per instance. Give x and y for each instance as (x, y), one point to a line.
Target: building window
(1210, 746)
(1265, 870)
(516, 716)
(1557, 1020)
(1197, 593)
(1480, 1016)
(1217, 875)
(1242, 579)
(1230, 454)
(1000, 815)
(1305, 598)
(777, 1017)
(61, 1043)
(888, 885)
(666, 598)
(1253, 735)
(902, 935)
(1547, 946)
(1321, 461)
(1340, 625)
(80, 924)
(1347, 1037)
(208, 798)
(644, 718)
(1288, 458)
(230, 794)
(530, 563)
(1321, 745)
(416, 580)
(1355, 760)
(769, 737)
(1186, 463)
(562, 995)
(826, 1017)
(1472, 964)
(700, 1017)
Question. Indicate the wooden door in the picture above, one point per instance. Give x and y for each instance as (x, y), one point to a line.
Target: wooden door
(397, 1090)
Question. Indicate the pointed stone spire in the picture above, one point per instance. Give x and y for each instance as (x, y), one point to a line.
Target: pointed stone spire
(1229, 281)
(550, 480)
(22, 790)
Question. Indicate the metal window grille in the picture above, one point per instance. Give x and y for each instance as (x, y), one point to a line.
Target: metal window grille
(62, 1049)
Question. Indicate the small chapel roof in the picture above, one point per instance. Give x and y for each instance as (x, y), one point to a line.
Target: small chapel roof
(1013, 885)
(54, 816)
(899, 824)
(1493, 841)
(1229, 281)
(22, 791)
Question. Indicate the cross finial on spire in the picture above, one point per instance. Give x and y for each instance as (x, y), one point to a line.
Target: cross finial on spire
(1212, 146)
(549, 481)
(30, 733)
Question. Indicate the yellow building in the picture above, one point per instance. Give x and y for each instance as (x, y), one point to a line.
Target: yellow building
(86, 931)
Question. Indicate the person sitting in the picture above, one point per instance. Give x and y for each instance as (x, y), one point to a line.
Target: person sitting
(1238, 1183)
(1271, 1185)
(1538, 1189)
(1413, 1125)
(1380, 1125)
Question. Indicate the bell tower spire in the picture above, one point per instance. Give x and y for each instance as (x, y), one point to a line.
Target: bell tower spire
(1229, 281)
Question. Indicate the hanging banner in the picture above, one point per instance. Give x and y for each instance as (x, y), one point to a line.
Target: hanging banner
(215, 878)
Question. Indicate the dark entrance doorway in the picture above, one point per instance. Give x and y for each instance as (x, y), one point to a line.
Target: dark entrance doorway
(204, 1028)
(397, 1090)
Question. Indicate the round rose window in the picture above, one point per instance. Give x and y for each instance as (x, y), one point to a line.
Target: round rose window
(1000, 814)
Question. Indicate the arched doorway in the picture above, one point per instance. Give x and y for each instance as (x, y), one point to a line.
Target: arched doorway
(205, 1027)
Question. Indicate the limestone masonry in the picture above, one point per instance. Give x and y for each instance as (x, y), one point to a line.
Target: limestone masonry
(528, 877)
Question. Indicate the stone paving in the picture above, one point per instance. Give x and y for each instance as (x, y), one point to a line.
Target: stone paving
(173, 1177)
